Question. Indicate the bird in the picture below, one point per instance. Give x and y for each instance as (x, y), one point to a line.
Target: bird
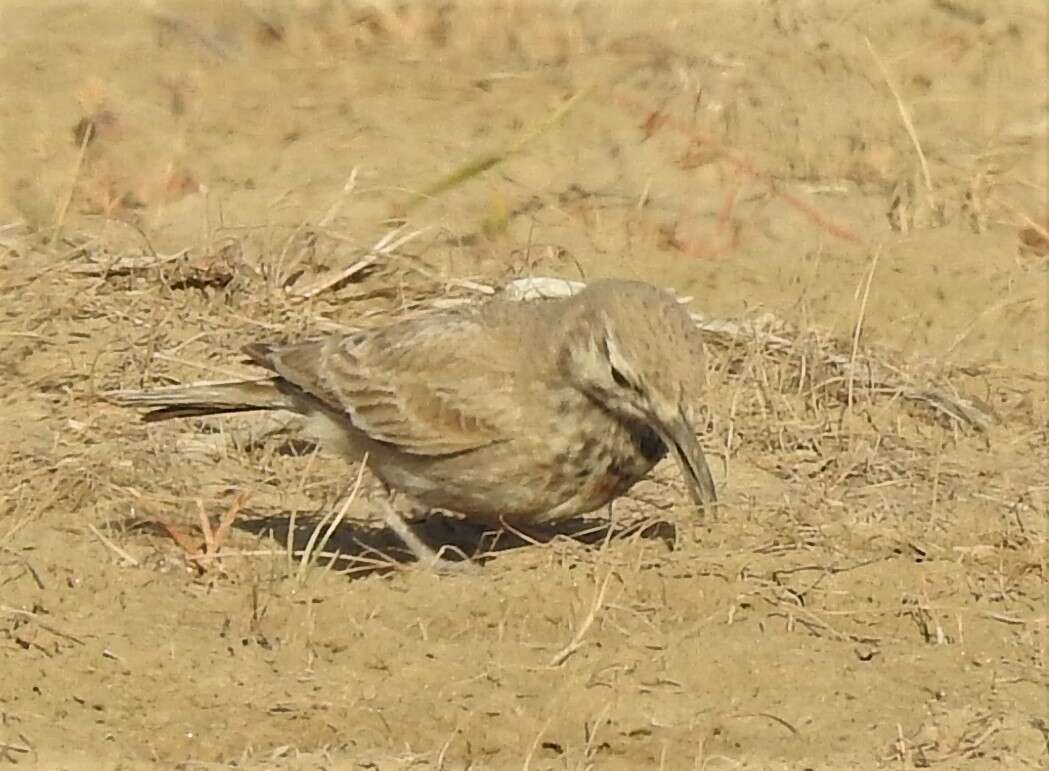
(506, 412)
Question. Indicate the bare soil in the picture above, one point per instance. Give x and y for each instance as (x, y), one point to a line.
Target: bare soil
(181, 178)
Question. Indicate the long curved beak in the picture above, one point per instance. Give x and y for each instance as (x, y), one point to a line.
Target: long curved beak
(677, 434)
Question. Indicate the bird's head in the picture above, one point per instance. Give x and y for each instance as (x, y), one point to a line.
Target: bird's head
(633, 349)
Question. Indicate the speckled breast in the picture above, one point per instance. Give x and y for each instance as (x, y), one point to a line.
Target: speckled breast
(602, 466)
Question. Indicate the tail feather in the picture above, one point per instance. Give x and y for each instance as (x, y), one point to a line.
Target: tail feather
(200, 399)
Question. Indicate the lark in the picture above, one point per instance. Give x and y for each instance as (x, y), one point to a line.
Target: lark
(513, 413)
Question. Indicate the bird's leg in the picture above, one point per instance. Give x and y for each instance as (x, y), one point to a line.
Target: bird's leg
(419, 549)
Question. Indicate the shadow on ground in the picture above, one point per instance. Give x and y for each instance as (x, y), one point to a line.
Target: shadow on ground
(359, 549)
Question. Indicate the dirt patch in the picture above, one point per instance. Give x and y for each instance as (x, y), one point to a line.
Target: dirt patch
(869, 180)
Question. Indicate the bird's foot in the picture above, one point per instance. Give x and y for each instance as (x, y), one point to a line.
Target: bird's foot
(422, 552)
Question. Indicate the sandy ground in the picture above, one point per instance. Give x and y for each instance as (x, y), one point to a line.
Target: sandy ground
(180, 178)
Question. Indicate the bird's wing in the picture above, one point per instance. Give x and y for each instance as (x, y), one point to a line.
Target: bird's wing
(423, 386)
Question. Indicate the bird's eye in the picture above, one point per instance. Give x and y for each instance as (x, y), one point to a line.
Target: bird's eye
(620, 379)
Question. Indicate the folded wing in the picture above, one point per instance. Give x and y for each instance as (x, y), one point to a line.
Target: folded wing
(416, 387)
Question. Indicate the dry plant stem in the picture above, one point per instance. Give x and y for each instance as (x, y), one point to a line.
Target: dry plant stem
(213, 538)
(277, 274)
(334, 525)
(773, 718)
(448, 743)
(32, 516)
(109, 544)
(205, 528)
(93, 265)
(205, 219)
(904, 113)
(68, 201)
(10, 534)
(901, 747)
(290, 540)
(331, 556)
(309, 554)
(1009, 302)
(588, 749)
(858, 329)
(228, 518)
(520, 534)
(384, 247)
(935, 495)
(333, 210)
(535, 745)
(35, 618)
(331, 279)
(6, 747)
(577, 640)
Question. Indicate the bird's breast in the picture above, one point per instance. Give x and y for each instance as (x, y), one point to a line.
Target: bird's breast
(562, 461)
(597, 465)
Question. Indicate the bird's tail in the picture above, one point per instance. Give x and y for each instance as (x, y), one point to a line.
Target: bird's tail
(198, 399)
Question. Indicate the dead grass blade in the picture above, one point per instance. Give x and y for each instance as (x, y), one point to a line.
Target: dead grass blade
(109, 544)
(577, 639)
(38, 621)
(905, 114)
(317, 542)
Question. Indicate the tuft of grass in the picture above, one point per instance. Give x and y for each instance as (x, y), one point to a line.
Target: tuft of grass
(323, 531)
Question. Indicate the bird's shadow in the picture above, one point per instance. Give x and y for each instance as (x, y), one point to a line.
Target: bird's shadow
(359, 549)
